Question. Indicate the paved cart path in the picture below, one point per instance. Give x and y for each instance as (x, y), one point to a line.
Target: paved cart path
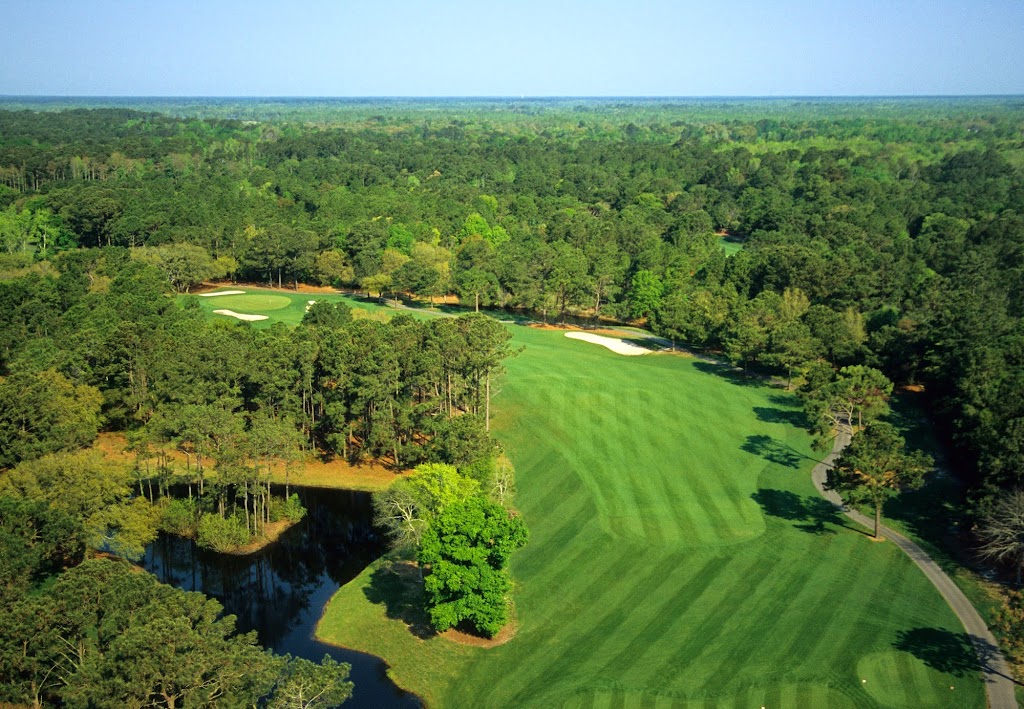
(995, 670)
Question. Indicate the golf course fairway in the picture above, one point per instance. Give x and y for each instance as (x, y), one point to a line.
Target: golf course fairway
(679, 557)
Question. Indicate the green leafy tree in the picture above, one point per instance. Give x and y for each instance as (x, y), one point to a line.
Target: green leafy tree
(876, 467)
(36, 542)
(44, 412)
(93, 491)
(106, 635)
(857, 394)
(467, 548)
(645, 294)
(184, 265)
(307, 685)
(410, 504)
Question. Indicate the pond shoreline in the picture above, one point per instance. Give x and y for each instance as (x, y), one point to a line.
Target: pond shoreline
(282, 589)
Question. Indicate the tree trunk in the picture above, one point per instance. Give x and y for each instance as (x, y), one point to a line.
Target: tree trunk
(487, 403)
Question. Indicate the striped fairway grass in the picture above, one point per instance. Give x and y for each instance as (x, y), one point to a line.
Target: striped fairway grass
(679, 557)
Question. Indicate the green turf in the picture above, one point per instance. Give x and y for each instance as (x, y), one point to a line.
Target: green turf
(278, 306)
(251, 302)
(679, 556)
(731, 244)
(899, 679)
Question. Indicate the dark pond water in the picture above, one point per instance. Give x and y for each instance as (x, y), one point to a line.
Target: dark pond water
(281, 590)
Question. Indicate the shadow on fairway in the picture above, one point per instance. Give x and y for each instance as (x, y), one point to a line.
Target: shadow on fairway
(950, 652)
(397, 586)
(729, 373)
(941, 650)
(788, 416)
(773, 451)
(812, 513)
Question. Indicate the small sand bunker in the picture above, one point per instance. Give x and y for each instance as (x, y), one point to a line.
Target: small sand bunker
(241, 316)
(222, 292)
(613, 343)
(309, 304)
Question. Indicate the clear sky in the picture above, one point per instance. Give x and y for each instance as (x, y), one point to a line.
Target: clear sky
(511, 48)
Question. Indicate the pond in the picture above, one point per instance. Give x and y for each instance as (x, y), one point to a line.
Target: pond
(281, 590)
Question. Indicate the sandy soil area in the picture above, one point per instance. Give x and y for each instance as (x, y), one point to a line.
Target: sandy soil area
(241, 316)
(616, 345)
(223, 292)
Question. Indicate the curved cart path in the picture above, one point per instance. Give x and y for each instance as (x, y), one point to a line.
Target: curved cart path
(995, 670)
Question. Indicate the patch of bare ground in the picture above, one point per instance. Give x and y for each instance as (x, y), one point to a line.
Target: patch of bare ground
(271, 532)
(337, 473)
(504, 635)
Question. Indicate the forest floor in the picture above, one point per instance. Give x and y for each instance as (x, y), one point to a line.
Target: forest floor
(336, 473)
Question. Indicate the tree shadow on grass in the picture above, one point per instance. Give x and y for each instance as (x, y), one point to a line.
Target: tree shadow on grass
(941, 650)
(788, 416)
(397, 585)
(729, 373)
(812, 513)
(949, 652)
(773, 451)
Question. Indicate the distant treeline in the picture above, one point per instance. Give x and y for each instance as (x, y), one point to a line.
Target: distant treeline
(883, 232)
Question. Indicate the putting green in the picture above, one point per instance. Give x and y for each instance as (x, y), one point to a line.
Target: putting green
(898, 679)
(285, 307)
(253, 303)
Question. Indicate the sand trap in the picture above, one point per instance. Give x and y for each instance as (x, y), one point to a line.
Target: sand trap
(613, 343)
(309, 304)
(241, 316)
(223, 292)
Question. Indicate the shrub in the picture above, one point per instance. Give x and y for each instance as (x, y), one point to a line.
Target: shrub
(290, 509)
(222, 533)
(179, 517)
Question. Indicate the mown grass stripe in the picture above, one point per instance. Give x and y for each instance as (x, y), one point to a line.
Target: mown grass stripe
(699, 634)
(767, 609)
(675, 605)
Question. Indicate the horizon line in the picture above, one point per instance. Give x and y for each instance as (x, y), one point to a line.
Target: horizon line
(508, 97)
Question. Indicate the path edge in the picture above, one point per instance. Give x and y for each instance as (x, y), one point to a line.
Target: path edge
(999, 683)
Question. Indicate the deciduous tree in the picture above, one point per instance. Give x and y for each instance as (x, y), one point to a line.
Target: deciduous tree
(876, 467)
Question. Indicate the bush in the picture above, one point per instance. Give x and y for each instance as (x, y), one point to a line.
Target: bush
(467, 548)
(179, 517)
(222, 533)
(290, 509)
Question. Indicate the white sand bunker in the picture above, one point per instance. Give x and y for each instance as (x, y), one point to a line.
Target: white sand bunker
(613, 343)
(309, 304)
(223, 292)
(241, 316)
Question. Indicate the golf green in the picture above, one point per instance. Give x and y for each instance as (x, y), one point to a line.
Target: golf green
(278, 306)
(679, 556)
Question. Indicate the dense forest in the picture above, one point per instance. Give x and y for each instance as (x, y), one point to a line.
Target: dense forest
(883, 234)
(895, 229)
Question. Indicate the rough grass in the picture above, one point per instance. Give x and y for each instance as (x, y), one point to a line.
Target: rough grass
(679, 556)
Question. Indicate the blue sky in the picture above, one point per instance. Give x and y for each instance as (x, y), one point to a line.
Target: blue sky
(497, 48)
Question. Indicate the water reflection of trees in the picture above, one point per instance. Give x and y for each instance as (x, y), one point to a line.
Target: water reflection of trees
(270, 591)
